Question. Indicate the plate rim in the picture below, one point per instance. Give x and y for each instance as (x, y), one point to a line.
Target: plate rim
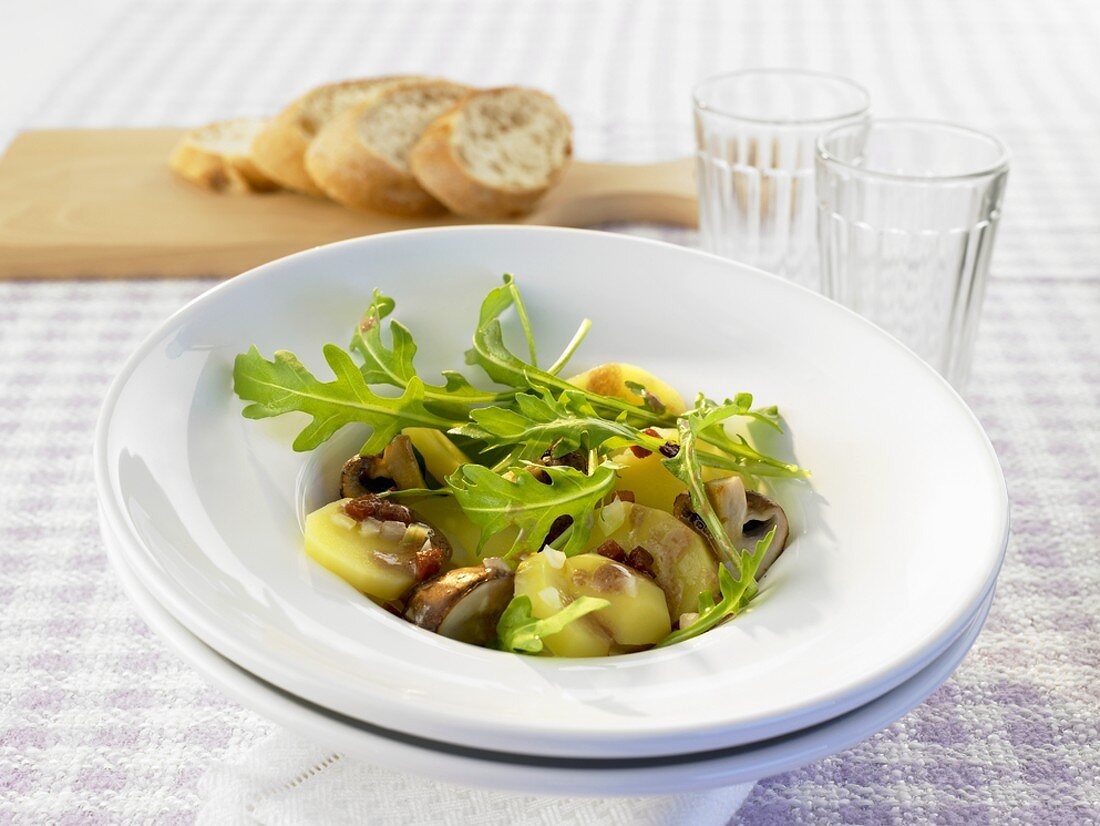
(625, 780)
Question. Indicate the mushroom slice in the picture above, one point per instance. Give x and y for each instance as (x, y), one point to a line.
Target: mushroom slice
(373, 474)
(464, 604)
(747, 517)
(763, 514)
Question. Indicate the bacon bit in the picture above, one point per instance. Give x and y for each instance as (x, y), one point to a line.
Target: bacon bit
(641, 452)
(624, 495)
(612, 550)
(429, 562)
(641, 561)
(669, 449)
(364, 507)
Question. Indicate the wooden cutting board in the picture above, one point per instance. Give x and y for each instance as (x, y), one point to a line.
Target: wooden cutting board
(103, 203)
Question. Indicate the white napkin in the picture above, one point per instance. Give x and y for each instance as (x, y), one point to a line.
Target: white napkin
(287, 781)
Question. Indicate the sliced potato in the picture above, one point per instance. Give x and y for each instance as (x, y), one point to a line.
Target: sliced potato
(637, 616)
(650, 481)
(611, 380)
(644, 476)
(380, 559)
(441, 456)
(683, 563)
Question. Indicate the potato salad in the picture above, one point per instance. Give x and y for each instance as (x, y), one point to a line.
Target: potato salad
(533, 514)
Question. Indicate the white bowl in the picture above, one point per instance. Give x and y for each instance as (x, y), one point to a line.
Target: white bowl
(533, 775)
(894, 546)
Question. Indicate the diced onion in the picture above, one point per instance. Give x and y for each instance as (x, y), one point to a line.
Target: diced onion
(554, 557)
(551, 597)
(370, 527)
(612, 516)
(415, 535)
(343, 520)
(495, 563)
(392, 531)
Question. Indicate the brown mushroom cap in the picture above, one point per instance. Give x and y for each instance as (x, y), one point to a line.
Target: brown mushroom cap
(396, 464)
(747, 517)
(763, 514)
(464, 604)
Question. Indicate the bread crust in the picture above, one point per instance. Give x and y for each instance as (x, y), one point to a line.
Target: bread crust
(279, 149)
(351, 173)
(435, 163)
(210, 169)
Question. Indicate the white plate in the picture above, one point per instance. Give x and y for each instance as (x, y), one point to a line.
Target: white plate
(902, 534)
(668, 775)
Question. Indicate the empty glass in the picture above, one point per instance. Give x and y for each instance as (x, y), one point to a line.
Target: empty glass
(755, 132)
(907, 214)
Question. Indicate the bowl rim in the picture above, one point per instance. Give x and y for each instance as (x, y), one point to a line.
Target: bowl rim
(890, 672)
(256, 693)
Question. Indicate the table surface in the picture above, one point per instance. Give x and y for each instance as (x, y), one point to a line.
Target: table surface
(99, 722)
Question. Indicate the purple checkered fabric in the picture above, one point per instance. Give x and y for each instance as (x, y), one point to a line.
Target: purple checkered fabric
(100, 723)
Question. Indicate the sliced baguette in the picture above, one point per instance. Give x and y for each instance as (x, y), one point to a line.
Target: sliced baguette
(495, 153)
(216, 156)
(279, 149)
(359, 159)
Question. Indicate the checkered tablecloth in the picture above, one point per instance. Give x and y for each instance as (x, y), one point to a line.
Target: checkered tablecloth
(99, 722)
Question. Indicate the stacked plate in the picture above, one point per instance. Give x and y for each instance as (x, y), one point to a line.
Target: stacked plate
(896, 545)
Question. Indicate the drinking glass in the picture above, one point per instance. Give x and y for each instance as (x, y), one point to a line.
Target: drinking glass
(755, 132)
(907, 215)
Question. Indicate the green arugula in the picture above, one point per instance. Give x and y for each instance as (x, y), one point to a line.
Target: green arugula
(393, 364)
(707, 419)
(736, 594)
(500, 364)
(687, 467)
(539, 422)
(283, 385)
(494, 502)
(520, 633)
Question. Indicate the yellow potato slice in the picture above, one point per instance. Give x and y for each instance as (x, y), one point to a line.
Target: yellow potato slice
(372, 556)
(636, 617)
(610, 380)
(683, 563)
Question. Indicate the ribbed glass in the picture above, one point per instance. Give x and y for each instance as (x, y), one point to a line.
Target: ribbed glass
(755, 134)
(907, 215)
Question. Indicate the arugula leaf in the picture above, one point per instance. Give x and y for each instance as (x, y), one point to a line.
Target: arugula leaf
(284, 385)
(493, 502)
(686, 467)
(539, 422)
(739, 405)
(492, 355)
(521, 633)
(736, 594)
(393, 364)
(707, 420)
(570, 348)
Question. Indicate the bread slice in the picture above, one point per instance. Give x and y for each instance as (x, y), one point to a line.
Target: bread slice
(216, 156)
(495, 154)
(359, 159)
(279, 150)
